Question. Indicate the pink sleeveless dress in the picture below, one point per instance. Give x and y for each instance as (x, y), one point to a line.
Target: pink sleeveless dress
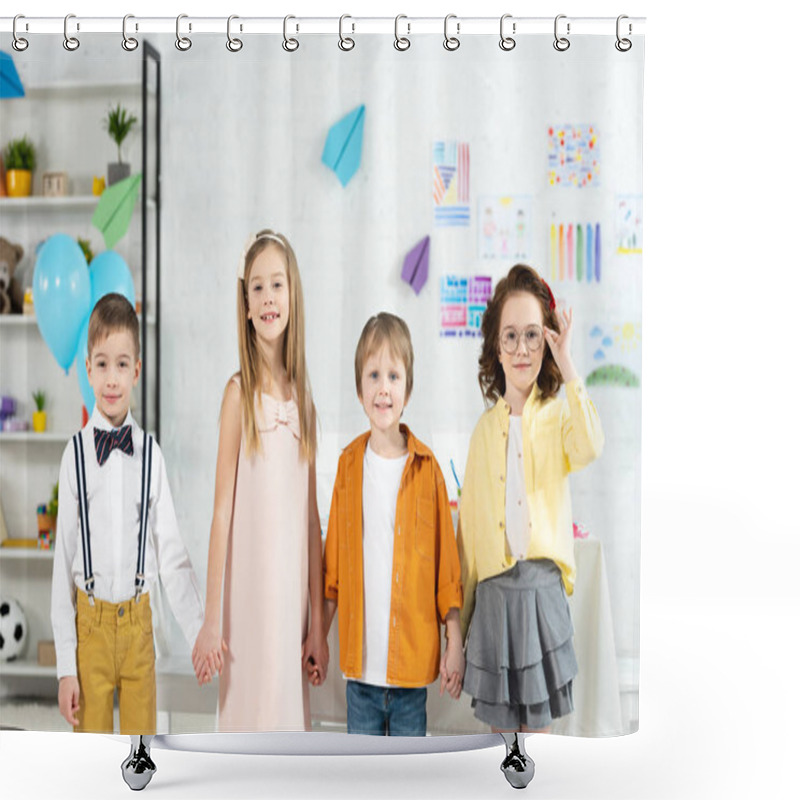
(265, 599)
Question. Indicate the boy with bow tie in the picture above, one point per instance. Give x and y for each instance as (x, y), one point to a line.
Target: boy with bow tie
(117, 535)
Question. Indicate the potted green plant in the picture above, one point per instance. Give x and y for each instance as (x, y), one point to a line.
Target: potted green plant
(40, 415)
(118, 123)
(86, 247)
(20, 161)
(52, 506)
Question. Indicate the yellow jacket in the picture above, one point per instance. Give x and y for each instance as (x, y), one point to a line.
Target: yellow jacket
(559, 436)
(426, 581)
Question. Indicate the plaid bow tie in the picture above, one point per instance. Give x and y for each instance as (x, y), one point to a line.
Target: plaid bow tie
(106, 441)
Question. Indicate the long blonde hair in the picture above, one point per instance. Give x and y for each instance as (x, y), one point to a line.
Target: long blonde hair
(254, 368)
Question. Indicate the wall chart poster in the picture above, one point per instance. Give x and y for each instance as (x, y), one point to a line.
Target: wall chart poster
(504, 227)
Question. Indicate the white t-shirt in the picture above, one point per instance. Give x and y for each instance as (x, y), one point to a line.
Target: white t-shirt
(380, 487)
(518, 523)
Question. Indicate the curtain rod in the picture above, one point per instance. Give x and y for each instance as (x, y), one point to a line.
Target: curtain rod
(349, 25)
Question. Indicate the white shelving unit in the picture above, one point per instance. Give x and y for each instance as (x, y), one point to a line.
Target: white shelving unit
(61, 113)
(80, 202)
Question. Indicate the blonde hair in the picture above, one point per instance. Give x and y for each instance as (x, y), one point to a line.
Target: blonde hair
(254, 369)
(112, 312)
(385, 328)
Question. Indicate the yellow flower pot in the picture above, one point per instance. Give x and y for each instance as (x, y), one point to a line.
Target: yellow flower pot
(18, 182)
(39, 421)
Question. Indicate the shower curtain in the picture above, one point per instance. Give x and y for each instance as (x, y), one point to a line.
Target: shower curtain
(407, 181)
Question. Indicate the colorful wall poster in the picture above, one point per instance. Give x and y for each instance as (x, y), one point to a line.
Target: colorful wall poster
(573, 156)
(575, 251)
(504, 227)
(615, 354)
(462, 301)
(628, 228)
(451, 183)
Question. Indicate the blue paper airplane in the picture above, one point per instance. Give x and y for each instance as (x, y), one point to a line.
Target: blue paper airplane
(10, 84)
(342, 151)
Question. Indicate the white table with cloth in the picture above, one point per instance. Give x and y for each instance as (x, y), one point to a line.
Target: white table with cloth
(595, 691)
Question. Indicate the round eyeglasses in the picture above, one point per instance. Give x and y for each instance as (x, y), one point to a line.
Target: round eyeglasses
(532, 336)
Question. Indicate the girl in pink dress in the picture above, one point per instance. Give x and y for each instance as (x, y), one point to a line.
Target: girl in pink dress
(265, 534)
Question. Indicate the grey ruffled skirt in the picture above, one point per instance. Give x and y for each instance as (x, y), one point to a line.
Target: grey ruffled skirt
(520, 658)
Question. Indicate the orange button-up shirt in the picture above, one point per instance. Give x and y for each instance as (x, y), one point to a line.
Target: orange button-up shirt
(426, 574)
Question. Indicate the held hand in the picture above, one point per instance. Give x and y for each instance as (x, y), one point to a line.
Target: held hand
(313, 674)
(559, 344)
(207, 654)
(451, 670)
(69, 693)
(212, 665)
(315, 657)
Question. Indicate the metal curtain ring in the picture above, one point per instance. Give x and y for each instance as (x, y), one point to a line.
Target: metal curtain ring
(401, 42)
(451, 42)
(70, 42)
(507, 42)
(233, 44)
(183, 43)
(346, 43)
(289, 45)
(561, 43)
(129, 43)
(623, 45)
(19, 43)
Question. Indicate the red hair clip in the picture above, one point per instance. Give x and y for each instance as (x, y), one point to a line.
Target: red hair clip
(550, 292)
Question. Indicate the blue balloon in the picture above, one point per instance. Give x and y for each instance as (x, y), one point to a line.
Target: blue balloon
(87, 393)
(108, 273)
(62, 295)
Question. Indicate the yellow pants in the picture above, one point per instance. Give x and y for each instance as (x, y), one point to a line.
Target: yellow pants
(115, 651)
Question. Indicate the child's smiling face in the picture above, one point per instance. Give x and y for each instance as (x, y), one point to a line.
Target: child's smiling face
(113, 371)
(268, 294)
(383, 389)
(521, 367)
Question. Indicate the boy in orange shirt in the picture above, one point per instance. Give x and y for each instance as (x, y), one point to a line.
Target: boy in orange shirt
(391, 560)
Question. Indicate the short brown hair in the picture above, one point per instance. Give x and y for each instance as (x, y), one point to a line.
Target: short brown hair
(111, 313)
(385, 328)
(492, 379)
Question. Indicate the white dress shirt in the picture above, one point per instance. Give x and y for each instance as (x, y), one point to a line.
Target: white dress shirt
(114, 496)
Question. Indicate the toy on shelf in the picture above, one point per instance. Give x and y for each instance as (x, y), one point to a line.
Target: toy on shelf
(46, 518)
(46, 525)
(11, 294)
(54, 184)
(13, 629)
(46, 653)
(8, 422)
(8, 407)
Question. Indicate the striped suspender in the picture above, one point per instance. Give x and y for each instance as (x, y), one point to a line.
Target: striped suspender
(147, 465)
(83, 508)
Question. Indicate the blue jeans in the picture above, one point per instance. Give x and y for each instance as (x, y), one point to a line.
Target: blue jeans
(381, 711)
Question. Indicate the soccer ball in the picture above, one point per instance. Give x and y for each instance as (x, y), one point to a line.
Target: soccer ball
(13, 629)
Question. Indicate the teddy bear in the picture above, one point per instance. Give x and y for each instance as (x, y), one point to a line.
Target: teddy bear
(11, 294)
